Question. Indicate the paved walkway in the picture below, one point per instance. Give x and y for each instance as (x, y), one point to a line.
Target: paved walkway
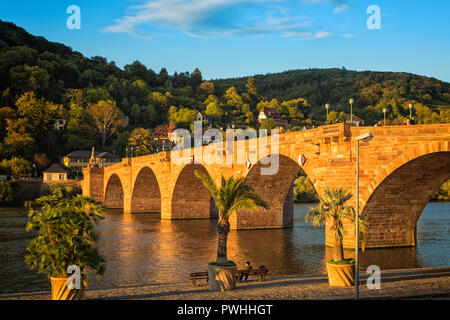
(425, 283)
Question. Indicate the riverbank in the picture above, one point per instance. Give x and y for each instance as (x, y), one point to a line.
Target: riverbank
(423, 283)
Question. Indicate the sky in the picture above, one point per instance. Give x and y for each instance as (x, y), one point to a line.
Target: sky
(234, 38)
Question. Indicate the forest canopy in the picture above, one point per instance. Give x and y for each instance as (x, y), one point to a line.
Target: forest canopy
(44, 84)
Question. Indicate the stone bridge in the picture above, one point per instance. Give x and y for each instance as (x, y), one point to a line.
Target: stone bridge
(400, 170)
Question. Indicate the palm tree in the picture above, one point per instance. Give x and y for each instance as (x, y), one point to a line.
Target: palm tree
(233, 194)
(332, 206)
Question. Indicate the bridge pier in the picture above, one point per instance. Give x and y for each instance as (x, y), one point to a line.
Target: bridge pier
(280, 215)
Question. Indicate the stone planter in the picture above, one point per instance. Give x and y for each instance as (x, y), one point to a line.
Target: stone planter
(222, 278)
(341, 275)
(61, 292)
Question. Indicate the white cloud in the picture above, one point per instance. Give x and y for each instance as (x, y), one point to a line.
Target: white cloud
(214, 18)
(341, 8)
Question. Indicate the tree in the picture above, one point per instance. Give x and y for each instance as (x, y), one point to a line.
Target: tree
(206, 89)
(149, 116)
(18, 140)
(304, 191)
(11, 194)
(233, 98)
(332, 207)
(231, 195)
(5, 114)
(142, 141)
(107, 118)
(213, 108)
(38, 113)
(251, 87)
(135, 114)
(16, 166)
(268, 124)
(196, 78)
(183, 117)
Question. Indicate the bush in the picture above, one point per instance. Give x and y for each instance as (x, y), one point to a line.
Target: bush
(16, 167)
(10, 194)
(304, 191)
(65, 234)
(61, 189)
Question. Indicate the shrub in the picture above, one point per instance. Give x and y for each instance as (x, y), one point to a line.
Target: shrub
(10, 194)
(65, 234)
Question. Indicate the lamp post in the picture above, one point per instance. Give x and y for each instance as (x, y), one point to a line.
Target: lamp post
(410, 111)
(351, 111)
(327, 106)
(366, 137)
(132, 152)
(384, 112)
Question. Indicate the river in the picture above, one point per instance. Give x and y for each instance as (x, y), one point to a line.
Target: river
(142, 249)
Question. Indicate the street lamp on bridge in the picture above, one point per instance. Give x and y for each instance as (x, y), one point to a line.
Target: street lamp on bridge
(384, 112)
(366, 137)
(326, 107)
(351, 111)
(410, 111)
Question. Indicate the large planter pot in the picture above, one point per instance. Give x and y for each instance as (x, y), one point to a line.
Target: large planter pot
(341, 275)
(60, 291)
(221, 278)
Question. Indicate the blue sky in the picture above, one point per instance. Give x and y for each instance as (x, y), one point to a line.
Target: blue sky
(227, 38)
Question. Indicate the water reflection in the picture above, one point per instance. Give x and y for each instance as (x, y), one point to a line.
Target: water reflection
(143, 249)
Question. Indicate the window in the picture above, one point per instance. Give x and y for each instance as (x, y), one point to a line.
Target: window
(49, 176)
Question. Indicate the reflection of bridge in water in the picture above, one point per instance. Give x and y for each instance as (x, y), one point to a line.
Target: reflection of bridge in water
(400, 170)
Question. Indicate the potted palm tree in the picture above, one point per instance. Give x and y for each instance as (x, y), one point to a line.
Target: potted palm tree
(233, 194)
(341, 272)
(65, 240)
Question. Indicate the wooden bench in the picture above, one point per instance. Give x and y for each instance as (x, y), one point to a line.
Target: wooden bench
(199, 276)
(252, 272)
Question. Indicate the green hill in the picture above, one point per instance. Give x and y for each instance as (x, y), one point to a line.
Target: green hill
(42, 82)
(337, 86)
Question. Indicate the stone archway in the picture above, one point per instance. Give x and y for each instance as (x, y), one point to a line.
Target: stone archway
(114, 193)
(146, 195)
(276, 190)
(190, 199)
(396, 204)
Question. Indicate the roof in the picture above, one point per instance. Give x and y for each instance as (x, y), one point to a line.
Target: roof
(171, 127)
(270, 112)
(88, 154)
(162, 129)
(105, 155)
(55, 168)
(82, 154)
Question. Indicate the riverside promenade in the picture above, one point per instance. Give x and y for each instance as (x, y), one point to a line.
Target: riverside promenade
(424, 283)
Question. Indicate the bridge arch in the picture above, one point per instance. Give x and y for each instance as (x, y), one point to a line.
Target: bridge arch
(146, 195)
(114, 196)
(190, 199)
(396, 204)
(276, 190)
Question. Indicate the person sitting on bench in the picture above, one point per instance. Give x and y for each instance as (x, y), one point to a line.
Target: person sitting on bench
(248, 266)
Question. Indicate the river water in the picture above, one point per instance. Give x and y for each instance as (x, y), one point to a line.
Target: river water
(142, 249)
